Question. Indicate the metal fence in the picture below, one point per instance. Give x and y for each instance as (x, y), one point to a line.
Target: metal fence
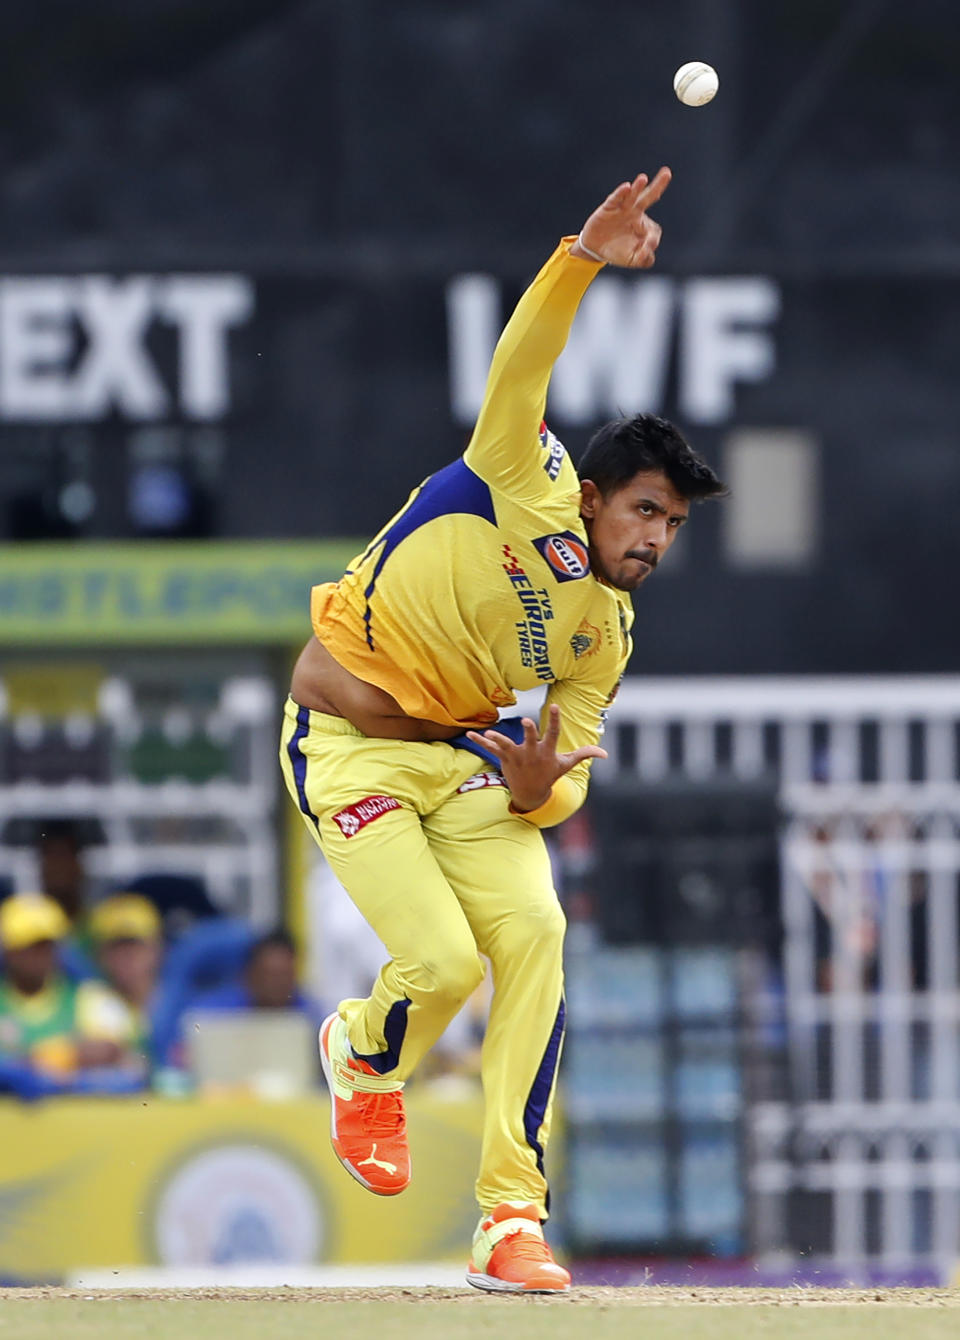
(858, 1164)
(183, 790)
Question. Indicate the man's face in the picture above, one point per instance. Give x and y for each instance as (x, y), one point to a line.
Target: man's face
(31, 968)
(272, 978)
(130, 966)
(61, 872)
(631, 529)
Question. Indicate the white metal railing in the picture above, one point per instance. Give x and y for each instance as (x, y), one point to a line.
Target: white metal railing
(868, 776)
(145, 822)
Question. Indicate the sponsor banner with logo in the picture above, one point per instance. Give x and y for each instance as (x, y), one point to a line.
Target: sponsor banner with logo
(255, 592)
(180, 1182)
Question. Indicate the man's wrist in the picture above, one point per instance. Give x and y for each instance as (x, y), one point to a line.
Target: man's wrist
(524, 808)
(581, 249)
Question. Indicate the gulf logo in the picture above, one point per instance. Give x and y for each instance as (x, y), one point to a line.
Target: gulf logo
(566, 555)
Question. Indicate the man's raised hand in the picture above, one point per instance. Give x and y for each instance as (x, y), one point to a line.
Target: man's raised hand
(531, 767)
(619, 230)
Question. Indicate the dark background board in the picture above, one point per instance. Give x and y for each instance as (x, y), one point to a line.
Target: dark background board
(347, 163)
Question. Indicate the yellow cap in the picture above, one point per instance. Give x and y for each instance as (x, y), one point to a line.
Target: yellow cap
(28, 918)
(125, 916)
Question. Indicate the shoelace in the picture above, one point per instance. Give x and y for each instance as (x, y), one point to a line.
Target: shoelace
(381, 1113)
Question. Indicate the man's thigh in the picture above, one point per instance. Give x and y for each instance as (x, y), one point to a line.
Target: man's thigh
(361, 800)
(495, 863)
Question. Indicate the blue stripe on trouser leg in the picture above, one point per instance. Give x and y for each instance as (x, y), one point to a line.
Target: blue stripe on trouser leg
(541, 1089)
(394, 1031)
(298, 763)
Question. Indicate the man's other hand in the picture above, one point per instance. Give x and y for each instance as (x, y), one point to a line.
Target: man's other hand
(531, 767)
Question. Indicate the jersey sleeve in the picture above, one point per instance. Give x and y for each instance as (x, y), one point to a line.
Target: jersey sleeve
(506, 449)
(583, 704)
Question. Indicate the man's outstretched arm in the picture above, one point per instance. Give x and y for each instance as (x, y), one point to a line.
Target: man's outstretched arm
(504, 449)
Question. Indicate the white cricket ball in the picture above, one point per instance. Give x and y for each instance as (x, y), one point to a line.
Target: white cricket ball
(695, 83)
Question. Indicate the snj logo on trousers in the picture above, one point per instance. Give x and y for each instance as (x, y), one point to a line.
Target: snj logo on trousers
(566, 554)
(357, 816)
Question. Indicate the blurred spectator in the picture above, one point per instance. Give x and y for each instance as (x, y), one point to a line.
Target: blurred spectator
(125, 932)
(63, 875)
(181, 899)
(37, 1004)
(269, 981)
(42, 1012)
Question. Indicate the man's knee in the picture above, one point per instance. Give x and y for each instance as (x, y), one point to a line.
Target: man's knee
(453, 977)
(538, 926)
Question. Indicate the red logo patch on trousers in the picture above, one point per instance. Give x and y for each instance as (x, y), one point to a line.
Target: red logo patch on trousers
(357, 816)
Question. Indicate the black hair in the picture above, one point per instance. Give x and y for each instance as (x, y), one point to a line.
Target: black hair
(275, 939)
(640, 443)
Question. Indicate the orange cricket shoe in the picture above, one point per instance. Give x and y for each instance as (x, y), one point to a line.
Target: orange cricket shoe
(510, 1255)
(368, 1129)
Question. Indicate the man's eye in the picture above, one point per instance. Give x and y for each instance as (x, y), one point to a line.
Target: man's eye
(645, 509)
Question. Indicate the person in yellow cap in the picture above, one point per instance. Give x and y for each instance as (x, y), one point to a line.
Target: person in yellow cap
(37, 1002)
(57, 1025)
(125, 933)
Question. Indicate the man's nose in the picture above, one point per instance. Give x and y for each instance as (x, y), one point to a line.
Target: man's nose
(656, 533)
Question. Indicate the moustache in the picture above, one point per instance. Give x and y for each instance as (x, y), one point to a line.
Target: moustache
(648, 556)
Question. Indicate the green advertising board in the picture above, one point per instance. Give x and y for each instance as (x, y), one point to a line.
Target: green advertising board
(178, 592)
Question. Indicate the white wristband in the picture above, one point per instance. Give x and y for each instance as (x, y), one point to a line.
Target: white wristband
(592, 254)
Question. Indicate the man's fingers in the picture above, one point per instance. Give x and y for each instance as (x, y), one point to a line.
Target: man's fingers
(618, 196)
(568, 761)
(652, 192)
(529, 732)
(491, 740)
(552, 734)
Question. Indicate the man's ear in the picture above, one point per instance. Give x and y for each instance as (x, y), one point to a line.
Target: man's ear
(589, 497)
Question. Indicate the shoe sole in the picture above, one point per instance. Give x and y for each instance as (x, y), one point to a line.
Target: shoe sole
(490, 1284)
(334, 1140)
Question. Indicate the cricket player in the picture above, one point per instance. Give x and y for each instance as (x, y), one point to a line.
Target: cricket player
(503, 571)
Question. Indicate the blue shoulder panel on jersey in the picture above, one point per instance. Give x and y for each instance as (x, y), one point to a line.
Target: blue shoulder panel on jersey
(454, 489)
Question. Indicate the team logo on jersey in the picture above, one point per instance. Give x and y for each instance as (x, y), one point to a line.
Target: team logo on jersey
(479, 780)
(357, 816)
(565, 554)
(585, 641)
(555, 452)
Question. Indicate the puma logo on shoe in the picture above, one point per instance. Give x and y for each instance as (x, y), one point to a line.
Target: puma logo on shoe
(390, 1168)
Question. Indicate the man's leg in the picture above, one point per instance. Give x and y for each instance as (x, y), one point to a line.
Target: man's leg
(498, 867)
(358, 798)
(364, 813)
(434, 966)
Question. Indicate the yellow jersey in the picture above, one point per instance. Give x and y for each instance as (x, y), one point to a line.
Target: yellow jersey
(481, 584)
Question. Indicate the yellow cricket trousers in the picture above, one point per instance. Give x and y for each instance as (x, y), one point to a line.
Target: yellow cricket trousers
(424, 843)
